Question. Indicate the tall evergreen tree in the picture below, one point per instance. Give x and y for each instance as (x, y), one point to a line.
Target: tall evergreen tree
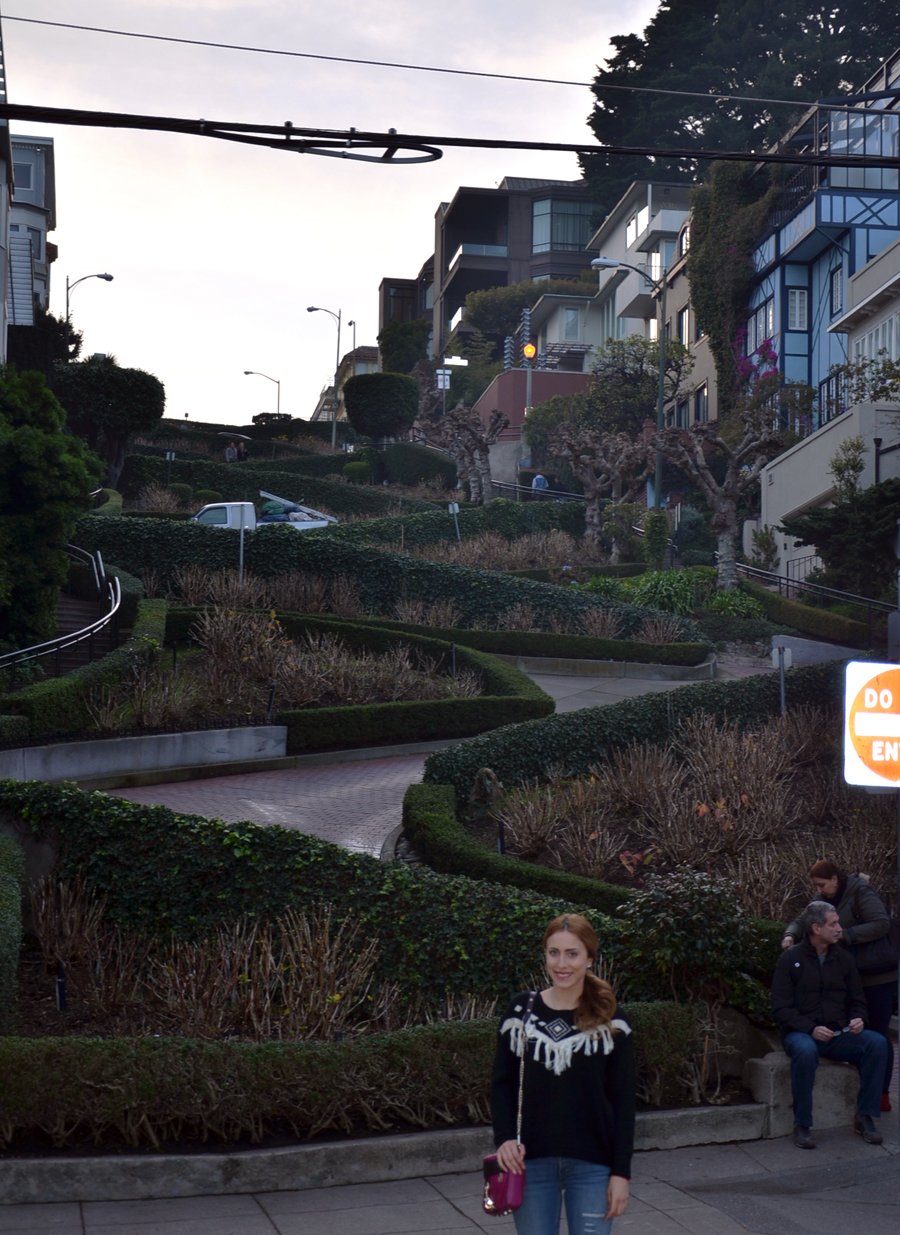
(800, 49)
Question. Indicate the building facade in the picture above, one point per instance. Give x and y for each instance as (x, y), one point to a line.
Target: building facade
(32, 217)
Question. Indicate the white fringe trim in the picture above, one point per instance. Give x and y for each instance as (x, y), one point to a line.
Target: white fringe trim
(557, 1056)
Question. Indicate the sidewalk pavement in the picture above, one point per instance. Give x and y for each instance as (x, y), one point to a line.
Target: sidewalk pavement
(761, 1187)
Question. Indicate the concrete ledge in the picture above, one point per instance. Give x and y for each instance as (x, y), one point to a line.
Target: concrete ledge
(119, 756)
(834, 1098)
(131, 1177)
(564, 667)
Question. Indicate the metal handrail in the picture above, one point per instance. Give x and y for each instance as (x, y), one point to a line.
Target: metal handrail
(785, 585)
(545, 494)
(113, 596)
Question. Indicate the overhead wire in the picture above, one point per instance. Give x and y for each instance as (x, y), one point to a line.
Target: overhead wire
(707, 96)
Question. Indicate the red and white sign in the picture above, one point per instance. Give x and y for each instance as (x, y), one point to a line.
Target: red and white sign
(872, 724)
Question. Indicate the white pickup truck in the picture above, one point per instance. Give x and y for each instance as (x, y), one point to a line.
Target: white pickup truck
(242, 515)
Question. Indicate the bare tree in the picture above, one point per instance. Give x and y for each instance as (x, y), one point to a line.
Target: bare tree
(610, 466)
(744, 443)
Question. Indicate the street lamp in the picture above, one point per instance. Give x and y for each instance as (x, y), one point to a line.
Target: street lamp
(255, 373)
(353, 353)
(107, 278)
(314, 308)
(658, 285)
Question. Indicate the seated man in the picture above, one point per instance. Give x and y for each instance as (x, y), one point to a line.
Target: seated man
(818, 1002)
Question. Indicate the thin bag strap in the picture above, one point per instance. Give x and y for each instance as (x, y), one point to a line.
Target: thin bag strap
(532, 995)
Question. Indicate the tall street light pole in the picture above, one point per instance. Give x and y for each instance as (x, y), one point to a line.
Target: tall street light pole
(255, 373)
(315, 308)
(659, 286)
(70, 286)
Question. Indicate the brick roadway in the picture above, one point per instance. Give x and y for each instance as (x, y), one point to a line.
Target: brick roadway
(356, 804)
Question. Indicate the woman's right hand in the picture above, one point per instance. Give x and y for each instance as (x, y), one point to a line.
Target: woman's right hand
(511, 1156)
(788, 942)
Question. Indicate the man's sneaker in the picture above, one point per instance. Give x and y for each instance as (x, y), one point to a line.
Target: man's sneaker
(866, 1127)
(803, 1137)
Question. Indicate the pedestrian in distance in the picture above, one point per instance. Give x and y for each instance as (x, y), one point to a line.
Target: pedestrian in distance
(231, 453)
(241, 456)
(864, 919)
(539, 486)
(820, 1008)
(578, 1093)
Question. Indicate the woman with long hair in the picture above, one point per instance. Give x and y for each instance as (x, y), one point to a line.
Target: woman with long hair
(577, 1095)
(863, 919)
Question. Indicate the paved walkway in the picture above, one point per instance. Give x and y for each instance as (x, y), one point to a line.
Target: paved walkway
(356, 802)
(761, 1187)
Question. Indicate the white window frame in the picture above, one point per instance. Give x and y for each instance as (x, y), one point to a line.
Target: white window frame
(798, 309)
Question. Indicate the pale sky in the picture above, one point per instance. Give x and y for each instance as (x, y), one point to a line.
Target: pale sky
(216, 248)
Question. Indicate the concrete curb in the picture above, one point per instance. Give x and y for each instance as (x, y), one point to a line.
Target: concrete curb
(332, 1164)
(563, 667)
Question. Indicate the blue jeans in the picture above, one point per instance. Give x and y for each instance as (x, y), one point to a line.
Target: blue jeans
(867, 1050)
(584, 1186)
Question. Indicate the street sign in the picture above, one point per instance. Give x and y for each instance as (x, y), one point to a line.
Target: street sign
(872, 724)
(442, 379)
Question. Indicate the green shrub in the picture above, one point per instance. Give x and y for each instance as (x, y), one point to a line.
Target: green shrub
(60, 705)
(510, 519)
(12, 878)
(656, 538)
(736, 604)
(111, 503)
(206, 497)
(243, 483)
(481, 595)
(817, 623)
(687, 937)
(671, 591)
(408, 464)
(610, 587)
(553, 644)
(13, 729)
(183, 492)
(357, 472)
(161, 872)
(143, 1092)
(720, 628)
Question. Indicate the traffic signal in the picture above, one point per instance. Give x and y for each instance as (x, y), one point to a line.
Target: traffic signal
(529, 351)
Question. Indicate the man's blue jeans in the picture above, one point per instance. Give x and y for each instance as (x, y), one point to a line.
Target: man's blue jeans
(867, 1050)
(584, 1186)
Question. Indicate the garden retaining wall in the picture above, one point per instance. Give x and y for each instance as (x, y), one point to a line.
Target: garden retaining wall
(91, 759)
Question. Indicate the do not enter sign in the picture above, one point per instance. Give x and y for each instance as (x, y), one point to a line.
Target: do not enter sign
(872, 724)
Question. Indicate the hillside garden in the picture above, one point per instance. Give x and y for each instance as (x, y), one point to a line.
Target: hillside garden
(250, 950)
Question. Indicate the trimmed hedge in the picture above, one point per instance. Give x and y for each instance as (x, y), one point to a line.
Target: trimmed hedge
(510, 519)
(144, 1092)
(242, 484)
(12, 877)
(817, 623)
(405, 463)
(430, 822)
(548, 643)
(60, 705)
(571, 743)
(381, 578)
(507, 693)
(162, 872)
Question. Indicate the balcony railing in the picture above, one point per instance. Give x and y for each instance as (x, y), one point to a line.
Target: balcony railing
(479, 250)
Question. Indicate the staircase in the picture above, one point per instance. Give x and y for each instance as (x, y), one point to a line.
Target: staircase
(73, 615)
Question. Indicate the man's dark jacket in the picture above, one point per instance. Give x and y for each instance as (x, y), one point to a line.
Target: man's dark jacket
(806, 993)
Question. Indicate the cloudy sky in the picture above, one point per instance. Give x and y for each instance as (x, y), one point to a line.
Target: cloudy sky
(216, 248)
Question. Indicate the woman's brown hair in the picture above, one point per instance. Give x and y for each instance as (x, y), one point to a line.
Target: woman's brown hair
(597, 1005)
(825, 869)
